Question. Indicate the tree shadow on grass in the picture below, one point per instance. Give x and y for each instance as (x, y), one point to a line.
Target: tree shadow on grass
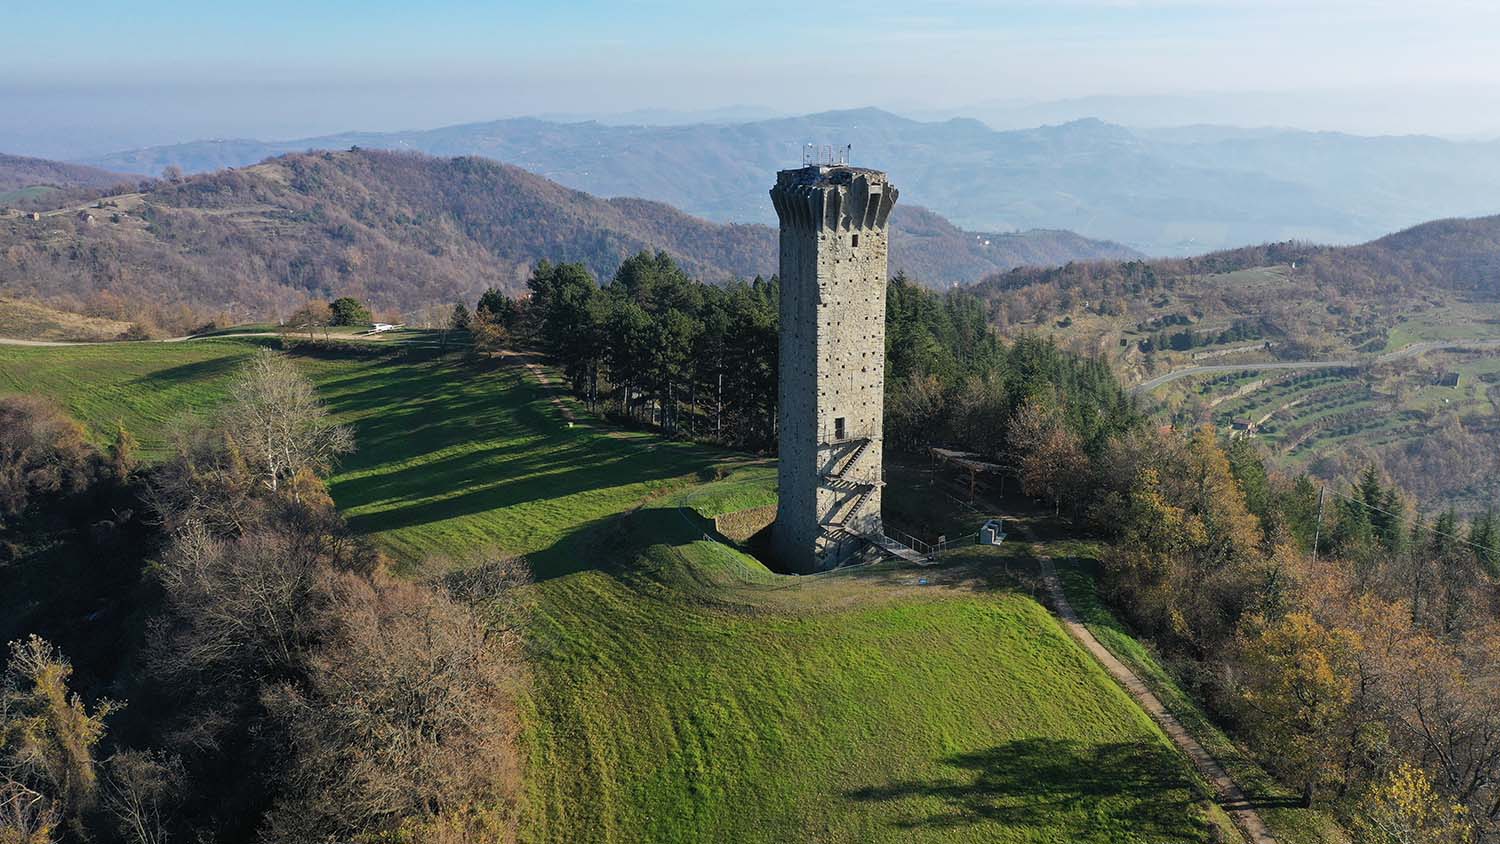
(1124, 791)
(201, 370)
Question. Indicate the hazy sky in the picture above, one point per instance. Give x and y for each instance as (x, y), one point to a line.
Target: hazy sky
(95, 75)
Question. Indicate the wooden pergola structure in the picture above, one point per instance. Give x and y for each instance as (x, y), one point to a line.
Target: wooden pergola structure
(971, 462)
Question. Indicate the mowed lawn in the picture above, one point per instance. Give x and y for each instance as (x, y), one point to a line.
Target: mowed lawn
(681, 691)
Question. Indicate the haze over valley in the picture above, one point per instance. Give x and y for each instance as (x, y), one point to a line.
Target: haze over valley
(1171, 191)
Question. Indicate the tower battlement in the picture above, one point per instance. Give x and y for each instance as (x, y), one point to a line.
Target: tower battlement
(834, 197)
(832, 365)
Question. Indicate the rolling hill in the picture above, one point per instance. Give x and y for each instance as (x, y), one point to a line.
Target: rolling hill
(1337, 356)
(681, 691)
(1166, 192)
(404, 230)
(25, 182)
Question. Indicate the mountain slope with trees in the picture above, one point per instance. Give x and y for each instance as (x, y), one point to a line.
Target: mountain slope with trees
(401, 231)
(1398, 318)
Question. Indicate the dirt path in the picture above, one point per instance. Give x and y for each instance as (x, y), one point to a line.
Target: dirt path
(1231, 797)
(554, 391)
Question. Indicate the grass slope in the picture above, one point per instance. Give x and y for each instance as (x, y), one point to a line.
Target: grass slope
(682, 692)
(146, 387)
(24, 320)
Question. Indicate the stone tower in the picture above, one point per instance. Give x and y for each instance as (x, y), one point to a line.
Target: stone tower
(832, 368)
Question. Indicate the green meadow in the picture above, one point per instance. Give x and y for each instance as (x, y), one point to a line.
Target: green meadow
(680, 690)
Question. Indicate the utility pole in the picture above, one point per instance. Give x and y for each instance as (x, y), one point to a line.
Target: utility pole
(1318, 530)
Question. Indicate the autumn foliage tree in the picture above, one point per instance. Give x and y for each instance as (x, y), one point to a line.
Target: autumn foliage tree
(1300, 685)
(1047, 455)
(402, 723)
(1404, 808)
(48, 737)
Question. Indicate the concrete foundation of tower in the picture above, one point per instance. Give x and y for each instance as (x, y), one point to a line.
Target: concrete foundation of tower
(832, 362)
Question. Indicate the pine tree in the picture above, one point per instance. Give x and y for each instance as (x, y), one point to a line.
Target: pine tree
(1483, 541)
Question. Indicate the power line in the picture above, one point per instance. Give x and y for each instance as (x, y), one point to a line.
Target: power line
(1400, 517)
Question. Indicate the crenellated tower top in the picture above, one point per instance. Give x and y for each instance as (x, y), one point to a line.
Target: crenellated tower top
(837, 197)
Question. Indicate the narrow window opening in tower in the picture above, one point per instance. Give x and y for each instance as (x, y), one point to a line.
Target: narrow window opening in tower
(838, 428)
(854, 239)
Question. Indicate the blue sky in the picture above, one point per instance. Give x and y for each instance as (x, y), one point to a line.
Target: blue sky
(280, 68)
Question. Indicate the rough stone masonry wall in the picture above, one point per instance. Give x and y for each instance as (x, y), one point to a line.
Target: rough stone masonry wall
(833, 280)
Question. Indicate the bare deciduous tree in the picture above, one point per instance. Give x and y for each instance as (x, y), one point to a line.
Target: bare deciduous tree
(26, 816)
(137, 786)
(240, 607)
(405, 716)
(280, 424)
(42, 452)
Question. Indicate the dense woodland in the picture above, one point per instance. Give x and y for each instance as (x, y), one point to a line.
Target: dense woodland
(1325, 302)
(656, 346)
(1446, 254)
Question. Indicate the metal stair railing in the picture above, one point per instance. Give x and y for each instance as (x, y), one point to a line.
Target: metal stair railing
(864, 446)
(865, 491)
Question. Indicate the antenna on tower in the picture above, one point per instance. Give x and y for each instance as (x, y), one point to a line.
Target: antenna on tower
(825, 155)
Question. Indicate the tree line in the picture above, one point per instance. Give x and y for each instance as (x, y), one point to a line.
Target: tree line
(654, 346)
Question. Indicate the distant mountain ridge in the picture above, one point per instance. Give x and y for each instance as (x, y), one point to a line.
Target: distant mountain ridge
(404, 230)
(1163, 191)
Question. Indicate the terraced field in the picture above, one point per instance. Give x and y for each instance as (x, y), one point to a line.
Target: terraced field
(1307, 418)
(681, 691)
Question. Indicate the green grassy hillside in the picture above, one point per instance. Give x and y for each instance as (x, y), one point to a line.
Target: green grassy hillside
(147, 387)
(681, 691)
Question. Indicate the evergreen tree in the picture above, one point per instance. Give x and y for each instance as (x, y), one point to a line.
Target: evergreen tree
(347, 310)
(1250, 473)
(1484, 541)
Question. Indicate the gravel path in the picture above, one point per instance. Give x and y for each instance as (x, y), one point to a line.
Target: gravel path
(555, 391)
(1231, 797)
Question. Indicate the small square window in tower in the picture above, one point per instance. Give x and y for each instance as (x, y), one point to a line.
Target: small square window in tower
(838, 428)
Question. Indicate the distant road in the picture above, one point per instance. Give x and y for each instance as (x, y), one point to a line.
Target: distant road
(1408, 351)
(13, 341)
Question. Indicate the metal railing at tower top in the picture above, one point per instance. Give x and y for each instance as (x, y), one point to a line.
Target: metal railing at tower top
(825, 155)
